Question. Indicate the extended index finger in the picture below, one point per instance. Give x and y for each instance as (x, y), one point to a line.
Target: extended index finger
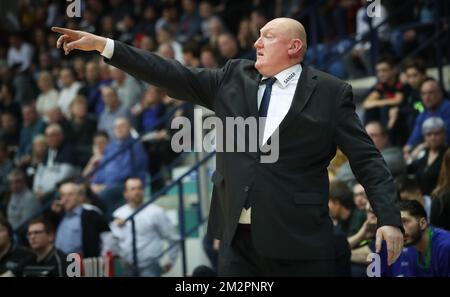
(65, 31)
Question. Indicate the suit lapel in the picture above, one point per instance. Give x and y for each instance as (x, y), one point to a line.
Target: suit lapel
(305, 87)
(251, 90)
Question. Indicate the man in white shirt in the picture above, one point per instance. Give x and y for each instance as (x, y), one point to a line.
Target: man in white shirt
(152, 227)
(70, 88)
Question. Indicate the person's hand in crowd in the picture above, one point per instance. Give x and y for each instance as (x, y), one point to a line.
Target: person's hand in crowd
(57, 206)
(216, 244)
(166, 268)
(74, 39)
(97, 188)
(393, 116)
(119, 222)
(23, 161)
(394, 242)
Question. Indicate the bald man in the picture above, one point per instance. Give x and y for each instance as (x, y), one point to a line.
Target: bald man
(271, 216)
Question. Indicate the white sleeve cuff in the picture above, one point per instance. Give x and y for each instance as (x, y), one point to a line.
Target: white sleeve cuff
(108, 51)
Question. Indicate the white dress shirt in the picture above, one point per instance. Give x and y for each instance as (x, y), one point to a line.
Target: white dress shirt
(152, 227)
(283, 91)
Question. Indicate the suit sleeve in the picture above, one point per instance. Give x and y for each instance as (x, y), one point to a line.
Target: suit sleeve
(196, 85)
(366, 161)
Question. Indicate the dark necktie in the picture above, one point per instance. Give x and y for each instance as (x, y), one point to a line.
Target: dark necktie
(265, 101)
(263, 108)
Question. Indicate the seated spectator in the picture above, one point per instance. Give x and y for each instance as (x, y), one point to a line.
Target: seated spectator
(100, 142)
(409, 189)
(55, 116)
(59, 163)
(191, 55)
(360, 197)
(153, 227)
(440, 206)
(48, 98)
(128, 89)
(392, 155)
(22, 203)
(6, 165)
(427, 251)
(7, 103)
(357, 61)
(382, 104)
(429, 159)
(416, 74)
(435, 106)
(9, 131)
(41, 237)
(208, 58)
(13, 259)
(38, 153)
(69, 90)
(31, 127)
(342, 209)
(190, 22)
(20, 52)
(83, 126)
(109, 180)
(229, 49)
(113, 109)
(92, 87)
(79, 226)
(164, 35)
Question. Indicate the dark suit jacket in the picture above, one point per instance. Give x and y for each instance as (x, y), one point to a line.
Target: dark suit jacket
(290, 217)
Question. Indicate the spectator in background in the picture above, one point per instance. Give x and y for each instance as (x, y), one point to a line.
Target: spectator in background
(208, 58)
(48, 97)
(206, 12)
(6, 165)
(382, 104)
(114, 109)
(342, 209)
(13, 259)
(22, 203)
(391, 154)
(166, 50)
(215, 28)
(79, 226)
(92, 87)
(440, 206)
(55, 116)
(435, 106)
(38, 153)
(229, 49)
(19, 53)
(7, 103)
(430, 155)
(153, 226)
(69, 89)
(128, 89)
(360, 197)
(191, 55)
(59, 163)
(164, 35)
(415, 73)
(427, 248)
(9, 131)
(147, 24)
(109, 180)
(357, 61)
(409, 189)
(32, 126)
(190, 22)
(83, 126)
(41, 237)
(100, 142)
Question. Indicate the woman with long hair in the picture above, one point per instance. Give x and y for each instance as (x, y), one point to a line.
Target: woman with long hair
(440, 207)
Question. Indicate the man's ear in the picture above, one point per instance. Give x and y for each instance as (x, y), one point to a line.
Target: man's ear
(423, 224)
(295, 47)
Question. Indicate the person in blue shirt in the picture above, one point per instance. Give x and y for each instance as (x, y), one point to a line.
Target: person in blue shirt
(109, 180)
(427, 248)
(435, 106)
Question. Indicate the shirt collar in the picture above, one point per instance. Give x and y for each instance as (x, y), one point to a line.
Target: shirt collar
(288, 75)
(76, 211)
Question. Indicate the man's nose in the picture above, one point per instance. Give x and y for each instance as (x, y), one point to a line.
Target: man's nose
(257, 43)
